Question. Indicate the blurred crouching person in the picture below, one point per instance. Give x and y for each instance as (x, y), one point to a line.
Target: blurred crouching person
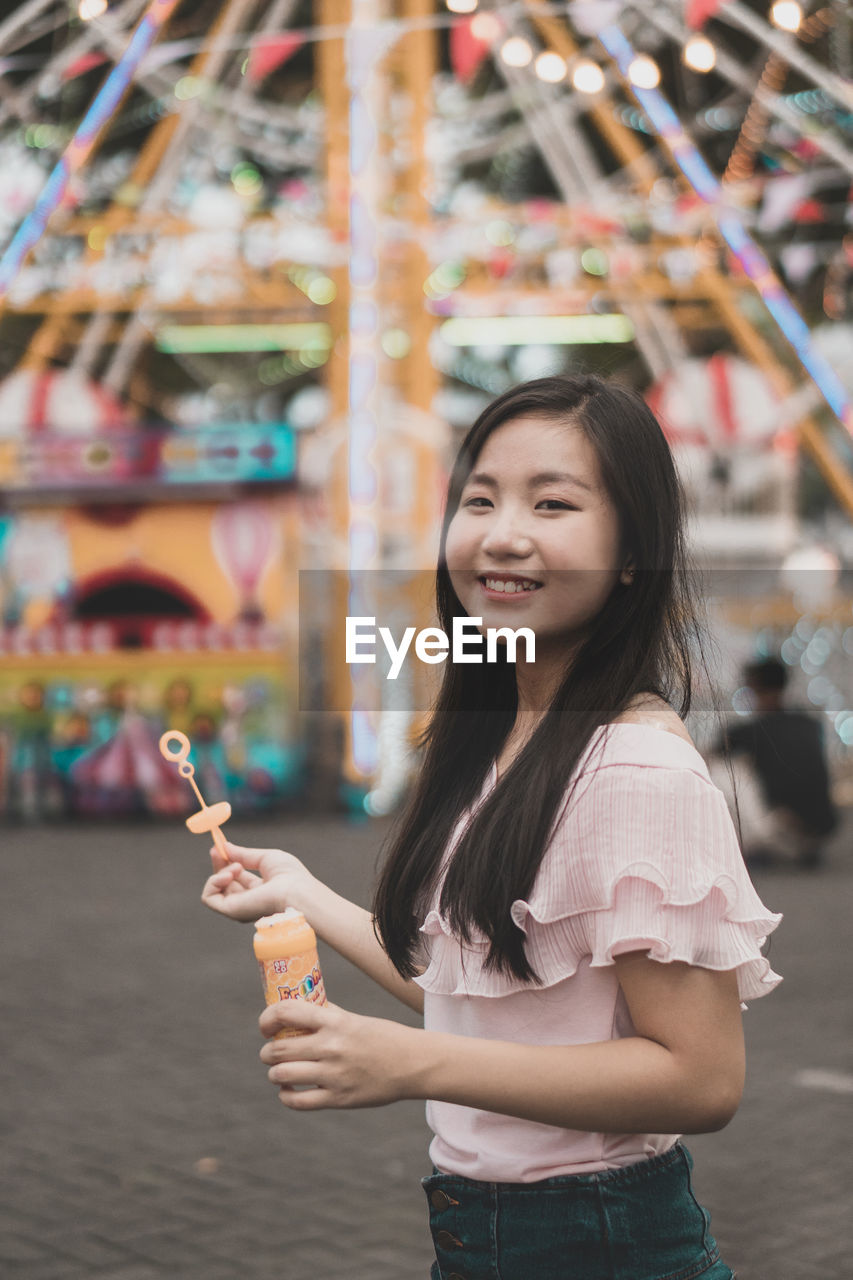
(781, 775)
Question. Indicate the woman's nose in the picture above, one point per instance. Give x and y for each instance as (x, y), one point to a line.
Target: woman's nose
(506, 534)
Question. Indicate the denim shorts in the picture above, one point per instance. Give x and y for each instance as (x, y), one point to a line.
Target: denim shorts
(640, 1222)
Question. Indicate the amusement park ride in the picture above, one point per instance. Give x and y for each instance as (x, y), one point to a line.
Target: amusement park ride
(383, 280)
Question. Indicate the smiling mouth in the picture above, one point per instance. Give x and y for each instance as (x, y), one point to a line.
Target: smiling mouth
(510, 586)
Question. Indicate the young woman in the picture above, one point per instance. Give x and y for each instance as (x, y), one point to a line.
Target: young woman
(564, 895)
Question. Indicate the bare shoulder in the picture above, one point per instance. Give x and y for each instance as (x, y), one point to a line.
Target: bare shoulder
(648, 708)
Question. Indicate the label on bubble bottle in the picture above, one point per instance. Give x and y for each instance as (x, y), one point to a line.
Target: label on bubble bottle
(296, 978)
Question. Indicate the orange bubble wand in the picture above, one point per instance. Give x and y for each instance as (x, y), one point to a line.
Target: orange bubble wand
(209, 817)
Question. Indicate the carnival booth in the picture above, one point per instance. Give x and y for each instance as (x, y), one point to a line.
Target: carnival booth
(175, 608)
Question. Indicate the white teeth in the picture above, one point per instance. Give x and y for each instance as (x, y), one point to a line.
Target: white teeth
(511, 587)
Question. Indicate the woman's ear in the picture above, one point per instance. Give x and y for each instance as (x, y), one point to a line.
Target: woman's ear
(626, 577)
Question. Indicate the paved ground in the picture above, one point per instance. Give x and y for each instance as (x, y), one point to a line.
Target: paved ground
(140, 1140)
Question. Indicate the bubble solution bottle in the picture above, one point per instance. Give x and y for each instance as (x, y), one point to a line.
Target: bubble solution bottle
(286, 951)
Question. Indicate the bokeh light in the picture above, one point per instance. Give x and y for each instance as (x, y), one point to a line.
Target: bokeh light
(89, 9)
(486, 27)
(188, 87)
(550, 67)
(699, 54)
(516, 52)
(396, 343)
(246, 180)
(500, 232)
(587, 76)
(786, 15)
(594, 262)
(322, 290)
(644, 72)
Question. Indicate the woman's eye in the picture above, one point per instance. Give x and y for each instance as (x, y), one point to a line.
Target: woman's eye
(473, 501)
(554, 504)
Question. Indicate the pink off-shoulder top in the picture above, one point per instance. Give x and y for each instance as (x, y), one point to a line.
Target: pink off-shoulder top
(643, 857)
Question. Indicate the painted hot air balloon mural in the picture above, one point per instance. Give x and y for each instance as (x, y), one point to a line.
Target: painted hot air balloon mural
(245, 538)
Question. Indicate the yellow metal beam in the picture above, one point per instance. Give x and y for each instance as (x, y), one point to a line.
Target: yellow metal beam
(256, 293)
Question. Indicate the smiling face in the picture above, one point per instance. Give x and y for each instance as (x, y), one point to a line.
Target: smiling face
(535, 539)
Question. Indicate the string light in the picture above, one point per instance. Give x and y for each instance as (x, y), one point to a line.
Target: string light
(587, 76)
(522, 331)
(786, 15)
(189, 87)
(644, 72)
(516, 52)
(396, 343)
(246, 180)
(550, 67)
(461, 6)
(322, 291)
(500, 232)
(594, 262)
(486, 27)
(742, 160)
(699, 54)
(732, 231)
(187, 339)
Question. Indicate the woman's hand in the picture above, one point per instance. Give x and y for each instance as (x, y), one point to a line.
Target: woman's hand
(257, 882)
(346, 1060)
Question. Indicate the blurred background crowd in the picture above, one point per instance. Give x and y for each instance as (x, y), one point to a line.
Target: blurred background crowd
(263, 262)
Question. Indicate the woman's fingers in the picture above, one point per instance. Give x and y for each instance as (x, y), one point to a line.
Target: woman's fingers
(303, 1015)
(243, 904)
(289, 1074)
(235, 877)
(230, 880)
(236, 893)
(300, 1086)
(304, 1099)
(289, 1049)
(222, 881)
(264, 861)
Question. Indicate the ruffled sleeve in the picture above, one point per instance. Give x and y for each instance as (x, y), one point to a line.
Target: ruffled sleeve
(644, 858)
(648, 860)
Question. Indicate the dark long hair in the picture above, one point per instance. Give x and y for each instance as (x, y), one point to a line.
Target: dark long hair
(640, 641)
